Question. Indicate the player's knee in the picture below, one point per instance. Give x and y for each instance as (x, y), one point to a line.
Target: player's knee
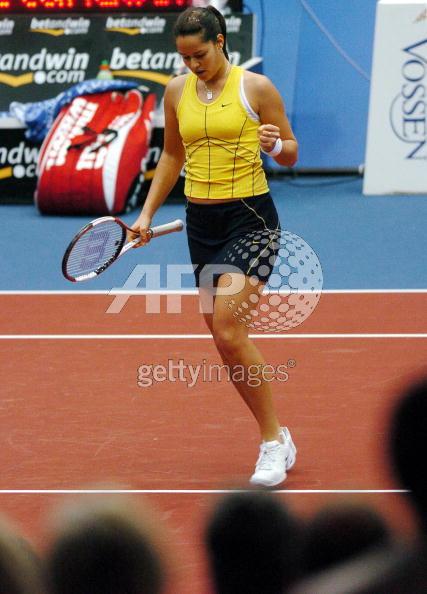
(226, 336)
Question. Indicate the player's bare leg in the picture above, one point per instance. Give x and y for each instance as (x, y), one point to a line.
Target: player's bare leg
(238, 351)
(277, 451)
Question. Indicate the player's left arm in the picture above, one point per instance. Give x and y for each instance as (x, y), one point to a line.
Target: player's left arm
(275, 124)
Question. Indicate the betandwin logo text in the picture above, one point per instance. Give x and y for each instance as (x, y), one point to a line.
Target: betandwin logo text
(135, 26)
(6, 26)
(43, 67)
(152, 60)
(19, 161)
(59, 27)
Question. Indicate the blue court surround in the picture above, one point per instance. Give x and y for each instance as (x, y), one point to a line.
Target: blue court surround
(318, 53)
(362, 242)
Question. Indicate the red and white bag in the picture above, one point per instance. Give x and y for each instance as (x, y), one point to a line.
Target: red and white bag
(94, 154)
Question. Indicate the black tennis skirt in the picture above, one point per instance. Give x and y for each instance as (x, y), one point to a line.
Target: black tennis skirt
(240, 234)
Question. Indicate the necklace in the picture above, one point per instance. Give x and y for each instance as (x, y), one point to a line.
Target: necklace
(209, 92)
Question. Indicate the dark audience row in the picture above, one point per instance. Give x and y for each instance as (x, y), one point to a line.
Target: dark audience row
(253, 542)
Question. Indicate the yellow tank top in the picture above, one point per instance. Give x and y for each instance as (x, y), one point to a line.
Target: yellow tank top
(221, 144)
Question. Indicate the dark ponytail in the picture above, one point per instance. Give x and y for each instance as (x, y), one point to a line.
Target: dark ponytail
(221, 20)
(209, 22)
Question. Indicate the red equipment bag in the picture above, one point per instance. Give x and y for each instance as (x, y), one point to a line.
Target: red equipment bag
(93, 156)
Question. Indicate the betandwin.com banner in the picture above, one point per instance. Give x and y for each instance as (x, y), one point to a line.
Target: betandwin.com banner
(42, 56)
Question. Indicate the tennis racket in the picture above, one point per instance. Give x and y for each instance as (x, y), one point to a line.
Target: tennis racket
(97, 245)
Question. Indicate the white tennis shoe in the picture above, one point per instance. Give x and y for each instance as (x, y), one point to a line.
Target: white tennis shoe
(275, 458)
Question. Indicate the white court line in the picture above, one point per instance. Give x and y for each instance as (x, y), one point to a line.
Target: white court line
(105, 292)
(196, 336)
(137, 292)
(191, 491)
(116, 291)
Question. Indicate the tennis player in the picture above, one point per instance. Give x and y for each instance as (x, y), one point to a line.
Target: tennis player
(217, 119)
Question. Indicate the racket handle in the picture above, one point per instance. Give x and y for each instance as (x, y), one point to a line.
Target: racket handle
(128, 246)
(177, 225)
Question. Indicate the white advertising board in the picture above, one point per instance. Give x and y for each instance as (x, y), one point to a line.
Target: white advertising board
(396, 153)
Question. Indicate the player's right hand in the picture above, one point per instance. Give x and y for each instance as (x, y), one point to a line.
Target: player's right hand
(140, 230)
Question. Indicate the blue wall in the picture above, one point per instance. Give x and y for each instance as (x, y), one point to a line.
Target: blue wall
(318, 53)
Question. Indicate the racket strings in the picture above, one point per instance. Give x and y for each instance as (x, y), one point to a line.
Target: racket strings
(95, 249)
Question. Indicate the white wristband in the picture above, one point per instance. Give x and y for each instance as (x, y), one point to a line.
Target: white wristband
(276, 150)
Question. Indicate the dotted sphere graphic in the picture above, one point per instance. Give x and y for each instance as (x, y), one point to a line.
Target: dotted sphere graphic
(293, 289)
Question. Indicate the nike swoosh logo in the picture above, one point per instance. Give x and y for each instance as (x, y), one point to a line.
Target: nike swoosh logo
(225, 104)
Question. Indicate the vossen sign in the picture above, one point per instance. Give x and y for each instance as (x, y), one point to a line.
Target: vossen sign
(396, 147)
(408, 111)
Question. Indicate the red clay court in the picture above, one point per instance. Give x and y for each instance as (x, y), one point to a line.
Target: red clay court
(74, 417)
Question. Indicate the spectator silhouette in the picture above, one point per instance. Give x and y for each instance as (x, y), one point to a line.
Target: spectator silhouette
(20, 568)
(105, 546)
(339, 532)
(397, 569)
(253, 545)
(408, 446)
